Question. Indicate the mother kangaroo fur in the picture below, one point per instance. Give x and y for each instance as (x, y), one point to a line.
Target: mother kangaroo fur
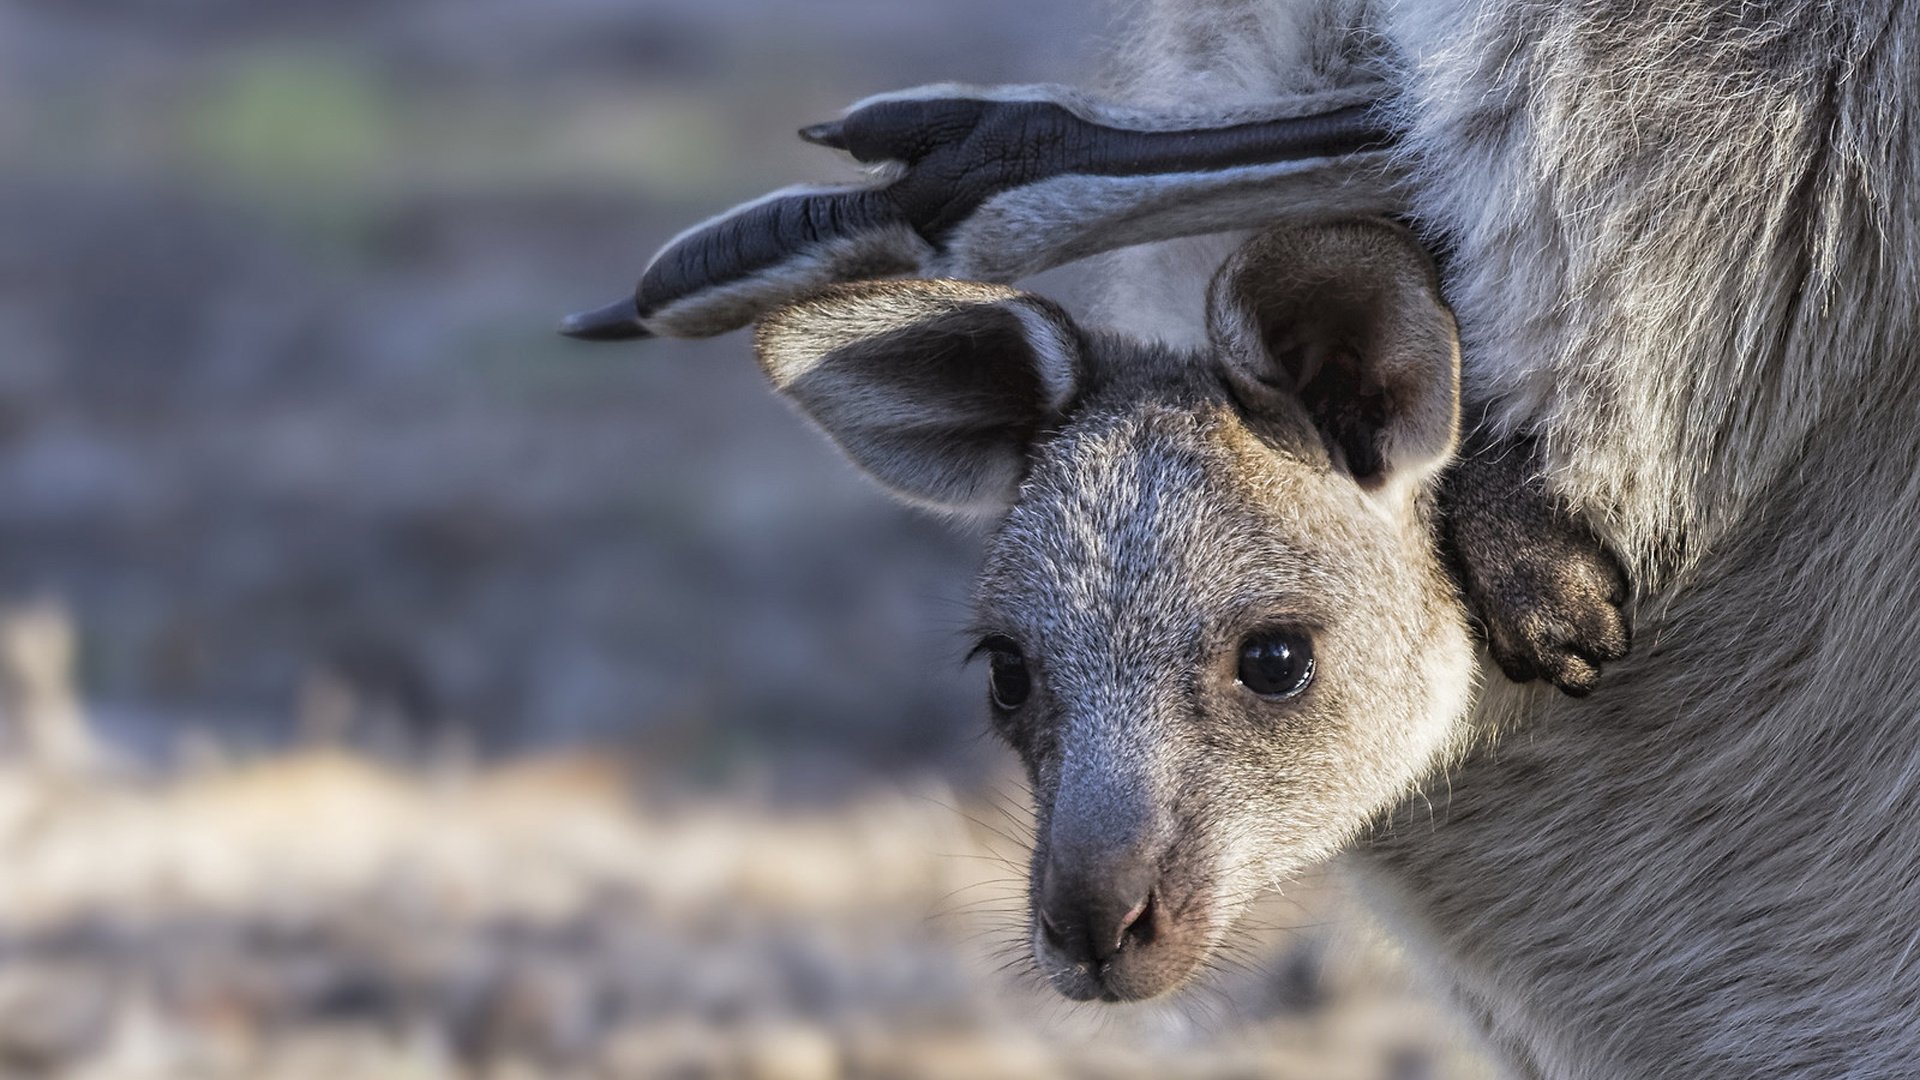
(1685, 258)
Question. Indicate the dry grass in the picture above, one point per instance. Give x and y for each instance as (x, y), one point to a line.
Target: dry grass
(319, 916)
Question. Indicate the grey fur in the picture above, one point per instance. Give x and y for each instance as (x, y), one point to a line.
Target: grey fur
(1687, 262)
(1068, 218)
(1135, 117)
(1159, 509)
(1686, 265)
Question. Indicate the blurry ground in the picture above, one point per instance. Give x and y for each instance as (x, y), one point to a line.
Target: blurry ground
(286, 437)
(319, 917)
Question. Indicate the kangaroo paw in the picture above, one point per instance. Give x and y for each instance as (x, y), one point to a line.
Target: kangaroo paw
(1547, 594)
(993, 184)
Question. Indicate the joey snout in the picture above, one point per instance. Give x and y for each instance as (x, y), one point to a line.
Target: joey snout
(1117, 930)
(1116, 917)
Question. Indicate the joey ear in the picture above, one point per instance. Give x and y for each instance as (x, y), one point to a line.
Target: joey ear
(1344, 321)
(935, 388)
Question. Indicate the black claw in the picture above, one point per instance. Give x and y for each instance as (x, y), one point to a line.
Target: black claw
(618, 321)
(1603, 641)
(1580, 689)
(832, 134)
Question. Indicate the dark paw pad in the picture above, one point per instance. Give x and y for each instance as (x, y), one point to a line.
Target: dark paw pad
(1552, 608)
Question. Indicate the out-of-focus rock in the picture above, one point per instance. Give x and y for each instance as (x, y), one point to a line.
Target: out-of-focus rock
(39, 700)
(788, 1052)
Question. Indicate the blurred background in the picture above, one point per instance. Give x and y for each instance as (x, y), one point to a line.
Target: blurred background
(391, 688)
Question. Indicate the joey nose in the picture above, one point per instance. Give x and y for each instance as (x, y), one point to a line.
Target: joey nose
(1090, 914)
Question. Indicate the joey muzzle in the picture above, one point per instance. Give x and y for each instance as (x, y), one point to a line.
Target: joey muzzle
(1087, 914)
(1104, 903)
(1107, 926)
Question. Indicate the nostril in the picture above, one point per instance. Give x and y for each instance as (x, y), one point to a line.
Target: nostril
(1088, 917)
(1051, 932)
(1134, 927)
(1138, 927)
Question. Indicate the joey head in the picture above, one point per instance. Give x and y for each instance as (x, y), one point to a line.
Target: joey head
(1218, 625)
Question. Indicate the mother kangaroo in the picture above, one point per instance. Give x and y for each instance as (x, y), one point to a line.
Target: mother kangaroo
(1682, 242)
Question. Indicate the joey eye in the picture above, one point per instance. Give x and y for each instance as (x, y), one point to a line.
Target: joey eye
(1276, 663)
(1008, 682)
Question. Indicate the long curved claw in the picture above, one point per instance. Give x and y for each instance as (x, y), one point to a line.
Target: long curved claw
(832, 134)
(997, 184)
(618, 321)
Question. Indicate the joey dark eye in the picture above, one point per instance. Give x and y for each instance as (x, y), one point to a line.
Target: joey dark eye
(1276, 663)
(1008, 682)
